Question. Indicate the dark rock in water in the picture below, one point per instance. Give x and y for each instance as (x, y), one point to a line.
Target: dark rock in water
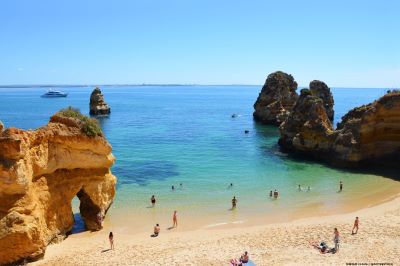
(246, 131)
(276, 99)
(321, 90)
(367, 134)
(234, 115)
(97, 104)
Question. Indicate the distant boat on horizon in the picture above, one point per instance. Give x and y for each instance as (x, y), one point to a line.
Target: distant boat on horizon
(54, 94)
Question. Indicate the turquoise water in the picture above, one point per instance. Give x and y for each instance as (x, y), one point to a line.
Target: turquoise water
(167, 135)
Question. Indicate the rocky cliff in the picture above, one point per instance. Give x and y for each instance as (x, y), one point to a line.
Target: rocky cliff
(97, 105)
(366, 134)
(276, 99)
(321, 90)
(41, 171)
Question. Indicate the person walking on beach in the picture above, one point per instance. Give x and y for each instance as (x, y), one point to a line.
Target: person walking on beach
(336, 239)
(340, 186)
(153, 200)
(276, 194)
(111, 239)
(356, 223)
(175, 220)
(234, 201)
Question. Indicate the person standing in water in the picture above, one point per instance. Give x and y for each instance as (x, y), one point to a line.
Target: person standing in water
(234, 201)
(111, 239)
(175, 220)
(356, 223)
(276, 194)
(173, 188)
(299, 187)
(270, 194)
(153, 200)
(340, 186)
(308, 189)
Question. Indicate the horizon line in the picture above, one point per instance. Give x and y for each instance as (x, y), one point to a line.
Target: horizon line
(158, 84)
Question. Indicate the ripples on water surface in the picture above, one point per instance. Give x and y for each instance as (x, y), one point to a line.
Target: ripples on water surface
(166, 135)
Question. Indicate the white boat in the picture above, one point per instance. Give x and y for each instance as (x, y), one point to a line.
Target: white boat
(54, 94)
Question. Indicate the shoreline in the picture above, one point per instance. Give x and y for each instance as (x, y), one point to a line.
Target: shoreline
(284, 243)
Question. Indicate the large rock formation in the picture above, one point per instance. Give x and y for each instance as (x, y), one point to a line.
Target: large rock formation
(276, 99)
(366, 134)
(41, 171)
(97, 104)
(1, 127)
(321, 90)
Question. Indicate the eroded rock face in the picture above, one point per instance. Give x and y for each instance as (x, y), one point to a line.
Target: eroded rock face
(1, 127)
(367, 134)
(40, 173)
(97, 104)
(276, 99)
(321, 90)
(307, 128)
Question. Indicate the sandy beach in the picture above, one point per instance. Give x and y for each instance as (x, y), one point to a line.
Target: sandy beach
(273, 244)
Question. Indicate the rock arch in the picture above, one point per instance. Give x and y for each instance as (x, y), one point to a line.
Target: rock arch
(41, 171)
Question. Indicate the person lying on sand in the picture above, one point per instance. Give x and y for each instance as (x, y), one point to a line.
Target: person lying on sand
(322, 247)
(243, 260)
(156, 230)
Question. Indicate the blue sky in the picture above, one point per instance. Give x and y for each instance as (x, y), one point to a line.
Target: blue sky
(344, 43)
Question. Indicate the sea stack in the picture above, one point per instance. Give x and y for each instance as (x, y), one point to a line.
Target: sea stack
(276, 99)
(41, 172)
(97, 104)
(369, 134)
(321, 90)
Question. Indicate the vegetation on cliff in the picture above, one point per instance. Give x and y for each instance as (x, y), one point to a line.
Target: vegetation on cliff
(89, 126)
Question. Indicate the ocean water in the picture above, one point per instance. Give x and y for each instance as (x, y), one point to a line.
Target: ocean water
(167, 135)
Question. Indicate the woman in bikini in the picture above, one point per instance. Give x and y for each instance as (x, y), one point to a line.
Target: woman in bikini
(153, 200)
(111, 239)
(175, 220)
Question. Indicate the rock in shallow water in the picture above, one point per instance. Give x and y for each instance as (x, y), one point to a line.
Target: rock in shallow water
(276, 99)
(41, 171)
(98, 106)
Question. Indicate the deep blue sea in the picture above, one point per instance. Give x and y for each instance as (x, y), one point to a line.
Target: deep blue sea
(167, 135)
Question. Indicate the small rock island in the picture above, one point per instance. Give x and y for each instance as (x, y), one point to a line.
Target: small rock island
(97, 105)
(41, 171)
(276, 99)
